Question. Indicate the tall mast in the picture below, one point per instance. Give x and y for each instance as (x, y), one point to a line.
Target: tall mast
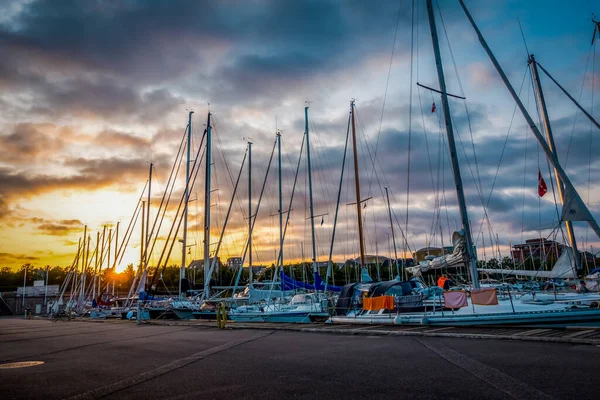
(187, 200)
(552, 145)
(101, 259)
(310, 193)
(357, 186)
(116, 245)
(337, 206)
(280, 201)
(207, 208)
(471, 254)
(249, 213)
(108, 247)
(393, 236)
(148, 217)
(575, 209)
(280, 258)
(216, 254)
(143, 235)
(96, 262)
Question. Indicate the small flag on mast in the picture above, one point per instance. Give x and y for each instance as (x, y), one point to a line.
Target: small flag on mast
(433, 107)
(542, 188)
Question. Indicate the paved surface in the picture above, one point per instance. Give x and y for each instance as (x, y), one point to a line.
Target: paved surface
(574, 335)
(87, 360)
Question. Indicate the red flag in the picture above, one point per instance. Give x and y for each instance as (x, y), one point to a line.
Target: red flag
(433, 107)
(542, 188)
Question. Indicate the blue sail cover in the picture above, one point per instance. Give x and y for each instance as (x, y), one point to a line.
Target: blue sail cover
(288, 283)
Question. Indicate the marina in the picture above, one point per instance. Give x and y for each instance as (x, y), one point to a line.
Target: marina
(309, 200)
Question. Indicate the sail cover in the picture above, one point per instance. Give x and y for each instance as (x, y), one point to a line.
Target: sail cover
(289, 283)
(457, 259)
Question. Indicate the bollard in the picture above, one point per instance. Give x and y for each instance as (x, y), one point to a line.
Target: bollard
(221, 316)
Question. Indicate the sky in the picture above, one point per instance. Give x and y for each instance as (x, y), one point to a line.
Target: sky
(92, 92)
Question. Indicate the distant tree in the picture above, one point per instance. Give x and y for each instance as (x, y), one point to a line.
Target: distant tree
(507, 262)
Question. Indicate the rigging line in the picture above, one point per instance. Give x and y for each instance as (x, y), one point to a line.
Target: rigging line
(195, 165)
(503, 150)
(578, 100)
(373, 161)
(386, 88)
(477, 177)
(324, 165)
(525, 170)
(171, 177)
(587, 228)
(122, 246)
(239, 201)
(181, 218)
(539, 199)
(289, 210)
(464, 100)
(262, 190)
(523, 36)
(410, 106)
(427, 149)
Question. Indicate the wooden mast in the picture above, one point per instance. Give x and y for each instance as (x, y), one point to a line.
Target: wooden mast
(357, 186)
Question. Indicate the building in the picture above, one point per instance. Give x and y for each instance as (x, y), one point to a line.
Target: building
(199, 264)
(538, 249)
(234, 262)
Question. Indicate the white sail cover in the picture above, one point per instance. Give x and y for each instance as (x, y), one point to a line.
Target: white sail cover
(563, 268)
(457, 259)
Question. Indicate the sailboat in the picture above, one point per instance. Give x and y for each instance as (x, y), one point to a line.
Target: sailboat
(480, 305)
(302, 307)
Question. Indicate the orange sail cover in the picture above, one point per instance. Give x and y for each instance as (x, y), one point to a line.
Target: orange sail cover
(378, 303)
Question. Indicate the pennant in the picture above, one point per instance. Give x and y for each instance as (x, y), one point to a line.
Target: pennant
(542, 188)
(433, 107)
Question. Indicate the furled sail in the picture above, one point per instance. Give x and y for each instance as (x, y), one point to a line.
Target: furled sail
(457, 259)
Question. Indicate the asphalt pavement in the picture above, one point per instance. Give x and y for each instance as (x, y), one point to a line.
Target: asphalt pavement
(86, 360)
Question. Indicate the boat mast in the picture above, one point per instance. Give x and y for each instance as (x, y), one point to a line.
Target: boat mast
(142, 239)
(146, 255)
(207, 210)
(552, 145)
(280, 258)
(96, 261)
(101, 261)
(310, 193)
(249, 213)
(471, 255)
(576, 209)
(393, 237)
(357, 186)
(187, 199)
(213, 263)
(337, 207)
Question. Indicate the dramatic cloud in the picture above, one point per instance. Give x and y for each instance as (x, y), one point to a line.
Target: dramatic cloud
(92, 92)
